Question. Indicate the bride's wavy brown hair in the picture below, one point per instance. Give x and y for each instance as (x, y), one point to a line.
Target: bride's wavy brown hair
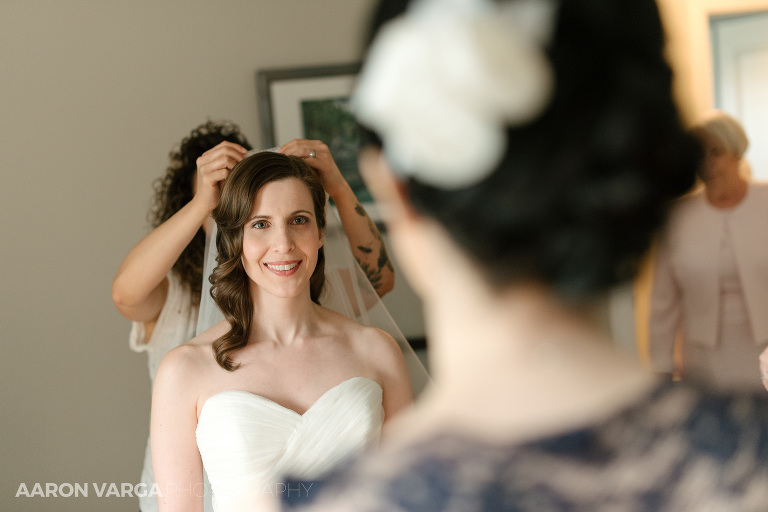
(229, 282)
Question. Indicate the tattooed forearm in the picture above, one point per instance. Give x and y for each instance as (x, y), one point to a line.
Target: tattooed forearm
(374, 271)
(373, 275)
(383, 260)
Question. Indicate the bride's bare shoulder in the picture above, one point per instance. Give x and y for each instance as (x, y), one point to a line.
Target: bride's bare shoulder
(341, 326)
(369, 341)
(210, 335)
(195, 354)
(379, 347)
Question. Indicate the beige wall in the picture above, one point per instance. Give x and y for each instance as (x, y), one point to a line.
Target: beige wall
(93, 94)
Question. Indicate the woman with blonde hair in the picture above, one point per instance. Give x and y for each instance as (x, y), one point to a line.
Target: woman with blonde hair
(710, 284)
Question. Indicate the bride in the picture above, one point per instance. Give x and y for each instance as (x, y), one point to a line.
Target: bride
(283, 386)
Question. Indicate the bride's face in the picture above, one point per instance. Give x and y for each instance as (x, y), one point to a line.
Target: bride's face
(281, 238)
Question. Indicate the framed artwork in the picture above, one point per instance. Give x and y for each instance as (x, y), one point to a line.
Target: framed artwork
(313, 103)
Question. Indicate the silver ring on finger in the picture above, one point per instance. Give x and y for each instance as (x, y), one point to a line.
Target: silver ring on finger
(312, 153)
(763, 374)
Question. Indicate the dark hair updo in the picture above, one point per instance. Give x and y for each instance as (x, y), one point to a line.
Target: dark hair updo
(229, 281)
(581, 190)
(174, 190)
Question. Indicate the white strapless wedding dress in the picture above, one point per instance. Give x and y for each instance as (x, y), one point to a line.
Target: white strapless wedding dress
(248, 443)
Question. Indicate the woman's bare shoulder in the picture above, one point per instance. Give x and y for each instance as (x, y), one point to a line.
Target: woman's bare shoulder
(194, 355)
(351, 329)
(210, 335)
(382, 349)
(371, 342)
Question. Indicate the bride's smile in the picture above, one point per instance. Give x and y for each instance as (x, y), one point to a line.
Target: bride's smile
(283, 269)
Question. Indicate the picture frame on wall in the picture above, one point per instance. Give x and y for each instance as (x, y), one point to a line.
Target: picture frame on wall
(313, 103)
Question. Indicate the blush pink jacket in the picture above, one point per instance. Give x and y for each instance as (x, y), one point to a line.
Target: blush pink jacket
(685, 294)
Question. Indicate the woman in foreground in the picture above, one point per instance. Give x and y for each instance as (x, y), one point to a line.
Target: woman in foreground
(530, 151)
(283, 385)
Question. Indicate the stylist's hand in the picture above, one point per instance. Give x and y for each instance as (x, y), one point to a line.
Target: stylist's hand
(322, 162)
(213, 167)
(764, 367)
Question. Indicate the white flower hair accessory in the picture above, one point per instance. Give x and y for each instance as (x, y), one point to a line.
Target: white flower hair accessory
(442, 83)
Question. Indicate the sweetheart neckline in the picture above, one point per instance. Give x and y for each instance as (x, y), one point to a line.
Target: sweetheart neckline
(256, 395)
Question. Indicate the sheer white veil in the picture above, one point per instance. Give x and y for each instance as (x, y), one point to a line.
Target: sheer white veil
(347, 291)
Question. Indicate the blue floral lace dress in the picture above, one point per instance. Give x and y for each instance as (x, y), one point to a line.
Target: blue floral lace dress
(679, 449)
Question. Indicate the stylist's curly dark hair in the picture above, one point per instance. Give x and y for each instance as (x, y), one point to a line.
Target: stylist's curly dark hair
(581, 190)
(175, 189)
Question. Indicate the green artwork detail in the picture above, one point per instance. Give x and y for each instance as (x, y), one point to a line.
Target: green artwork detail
(330, 120)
